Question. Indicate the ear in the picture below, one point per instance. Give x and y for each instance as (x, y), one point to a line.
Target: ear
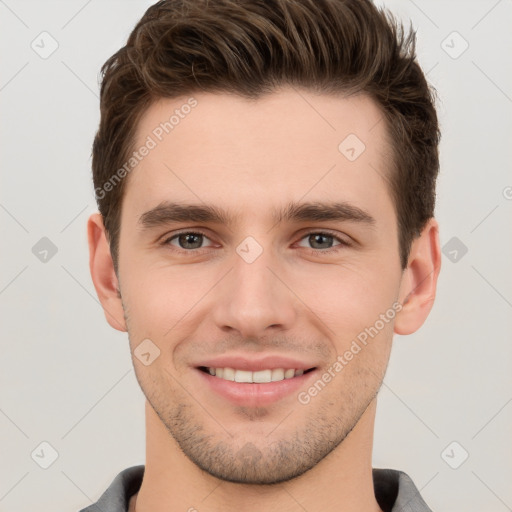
(419, 280)
(103, 274)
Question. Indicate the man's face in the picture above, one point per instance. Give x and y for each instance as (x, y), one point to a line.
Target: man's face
(258, 291)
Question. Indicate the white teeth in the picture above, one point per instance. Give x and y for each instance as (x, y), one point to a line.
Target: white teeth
(228, 374)
(260, 377)
(243, 376)
(277, 374)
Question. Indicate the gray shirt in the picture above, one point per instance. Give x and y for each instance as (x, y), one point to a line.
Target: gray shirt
(394, 491)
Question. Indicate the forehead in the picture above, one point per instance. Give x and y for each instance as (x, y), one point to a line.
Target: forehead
(247, 154)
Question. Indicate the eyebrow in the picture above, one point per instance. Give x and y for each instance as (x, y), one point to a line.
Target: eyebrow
(168, 212)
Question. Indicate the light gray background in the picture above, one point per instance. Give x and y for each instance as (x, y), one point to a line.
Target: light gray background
(66, 377)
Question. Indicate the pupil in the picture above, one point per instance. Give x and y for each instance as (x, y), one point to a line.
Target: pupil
(317, 239)
(189, 239)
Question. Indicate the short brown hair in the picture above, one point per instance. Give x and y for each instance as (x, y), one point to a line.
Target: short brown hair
(250, 48)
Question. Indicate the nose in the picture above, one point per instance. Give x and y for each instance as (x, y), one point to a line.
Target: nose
(254, 298)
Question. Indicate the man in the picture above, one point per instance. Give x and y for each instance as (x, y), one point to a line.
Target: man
(265, 174)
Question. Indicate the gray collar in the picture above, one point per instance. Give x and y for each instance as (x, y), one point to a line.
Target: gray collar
(394, 491)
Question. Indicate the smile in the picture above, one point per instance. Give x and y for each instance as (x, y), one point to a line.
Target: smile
(251, 377)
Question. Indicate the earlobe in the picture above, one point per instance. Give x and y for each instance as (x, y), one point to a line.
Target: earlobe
(419, 280)
(102, 272)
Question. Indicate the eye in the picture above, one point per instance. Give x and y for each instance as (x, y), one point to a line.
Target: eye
(187, 240)
(323, 241)
(319, 241)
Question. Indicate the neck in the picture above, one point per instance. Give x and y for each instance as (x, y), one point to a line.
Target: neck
(342, 481)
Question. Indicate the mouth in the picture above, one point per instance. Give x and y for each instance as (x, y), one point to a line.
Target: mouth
(254, 377)
(254, 388)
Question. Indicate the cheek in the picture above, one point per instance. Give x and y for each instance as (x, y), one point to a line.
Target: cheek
(347, 297)
(162, 300)
(152, 303)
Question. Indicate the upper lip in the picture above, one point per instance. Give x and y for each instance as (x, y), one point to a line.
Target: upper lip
(252, 363)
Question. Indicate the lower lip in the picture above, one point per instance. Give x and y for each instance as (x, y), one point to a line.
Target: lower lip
(254, 395)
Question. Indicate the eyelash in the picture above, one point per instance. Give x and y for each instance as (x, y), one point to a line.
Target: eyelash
(315, 252)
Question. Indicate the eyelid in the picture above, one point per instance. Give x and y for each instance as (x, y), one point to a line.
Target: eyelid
(324, 231)
(197, 231)
(166, 239)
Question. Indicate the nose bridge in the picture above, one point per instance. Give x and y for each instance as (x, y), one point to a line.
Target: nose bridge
(253, 298)
(251, 271)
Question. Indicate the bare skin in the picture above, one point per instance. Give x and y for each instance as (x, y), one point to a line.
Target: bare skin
(304, 297)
